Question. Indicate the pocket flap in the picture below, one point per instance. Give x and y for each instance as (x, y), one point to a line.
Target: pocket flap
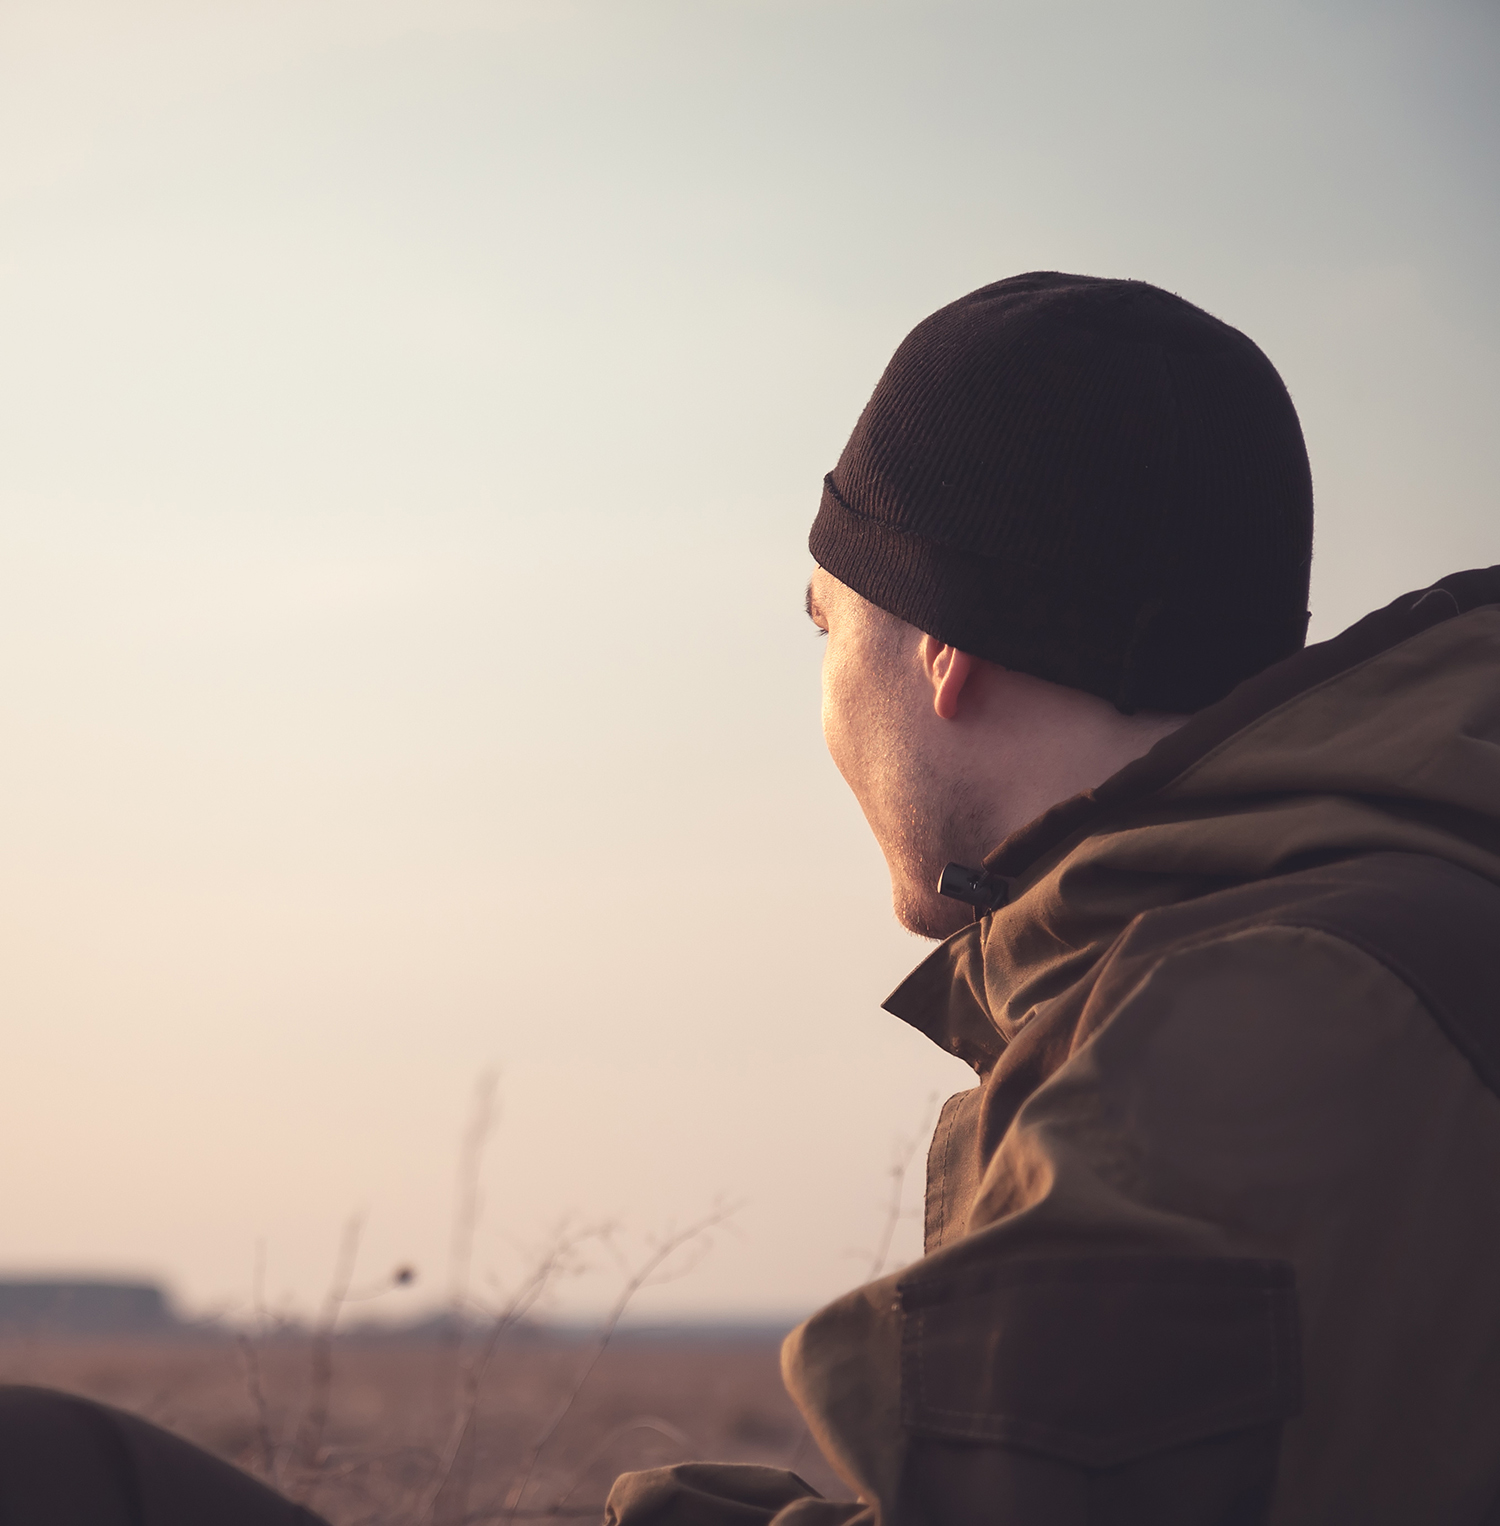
(1099, 1360)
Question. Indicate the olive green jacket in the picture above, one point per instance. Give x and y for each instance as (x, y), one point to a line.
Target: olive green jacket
(1216, 1239)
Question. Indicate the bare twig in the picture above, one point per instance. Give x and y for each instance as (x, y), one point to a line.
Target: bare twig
(663, 1428)
(265, 1441)
(308, 1446)
(468, 1204)
(905, 1152)
(250, 1354)
(645, 1275)
(483, 1116)
(400, 1277)
(558, 1256)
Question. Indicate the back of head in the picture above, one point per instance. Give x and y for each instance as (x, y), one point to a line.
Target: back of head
(1087, 480)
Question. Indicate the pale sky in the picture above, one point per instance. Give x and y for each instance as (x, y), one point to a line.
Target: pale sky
(411, 414)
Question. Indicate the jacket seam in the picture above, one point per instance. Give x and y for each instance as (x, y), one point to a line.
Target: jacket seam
(1436, 1010)
(944, 1223)
(1261, 720)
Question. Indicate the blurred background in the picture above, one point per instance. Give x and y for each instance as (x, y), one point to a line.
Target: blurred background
(411, 414)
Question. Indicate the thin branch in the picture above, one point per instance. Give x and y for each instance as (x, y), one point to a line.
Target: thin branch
(468, 1205)
(483, 1116)
(663, 1428)
(556, 1258)
(905, 1153)
(309, 1442)
(265, 1441)
(645, 1275)
(250, 1354)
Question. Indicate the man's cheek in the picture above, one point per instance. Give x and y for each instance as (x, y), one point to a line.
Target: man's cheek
(834, 707)
(830, 724)
(839, 751)
(842, 744)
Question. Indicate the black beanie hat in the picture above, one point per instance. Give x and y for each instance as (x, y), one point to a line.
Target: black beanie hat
(1090, 481)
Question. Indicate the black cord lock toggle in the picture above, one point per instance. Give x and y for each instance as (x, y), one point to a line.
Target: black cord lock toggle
(977, 887)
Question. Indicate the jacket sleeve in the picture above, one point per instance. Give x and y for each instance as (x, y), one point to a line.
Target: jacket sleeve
(1116, 1337)
(722, 1494)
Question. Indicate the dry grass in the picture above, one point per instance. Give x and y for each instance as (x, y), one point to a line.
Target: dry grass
(504, 1423)
(392, 1405)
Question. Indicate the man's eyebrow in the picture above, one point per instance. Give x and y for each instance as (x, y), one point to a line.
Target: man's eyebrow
(810, 605)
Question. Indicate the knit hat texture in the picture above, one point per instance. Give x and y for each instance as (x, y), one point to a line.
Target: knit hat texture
(1087, 480)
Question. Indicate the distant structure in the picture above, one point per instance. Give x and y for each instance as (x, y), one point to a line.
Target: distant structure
(83, 1308)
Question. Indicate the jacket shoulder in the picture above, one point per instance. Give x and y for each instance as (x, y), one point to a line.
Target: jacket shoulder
(1433, 925)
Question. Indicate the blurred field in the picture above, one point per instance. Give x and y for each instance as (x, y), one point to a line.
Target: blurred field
(392, 1400)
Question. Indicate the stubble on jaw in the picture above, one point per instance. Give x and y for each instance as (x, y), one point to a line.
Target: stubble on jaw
(947, 824)
(943, 818)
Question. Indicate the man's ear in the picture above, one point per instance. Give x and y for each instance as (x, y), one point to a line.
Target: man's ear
(948, 671)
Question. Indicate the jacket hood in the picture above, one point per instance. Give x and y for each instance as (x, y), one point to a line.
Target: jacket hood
(1386, 738)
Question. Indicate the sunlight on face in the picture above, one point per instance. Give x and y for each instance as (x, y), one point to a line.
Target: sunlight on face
(880, 729)
(858, 673)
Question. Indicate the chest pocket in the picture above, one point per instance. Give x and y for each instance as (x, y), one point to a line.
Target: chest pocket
(1099, 1388)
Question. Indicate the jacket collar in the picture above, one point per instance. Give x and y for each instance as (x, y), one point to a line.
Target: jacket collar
(944, 999)
(1282, 681)
(945, 996)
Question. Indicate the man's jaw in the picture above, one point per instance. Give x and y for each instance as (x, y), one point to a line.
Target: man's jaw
(922, 911)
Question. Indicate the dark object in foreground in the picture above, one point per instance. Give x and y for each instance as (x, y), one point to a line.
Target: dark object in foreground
(66, 1461)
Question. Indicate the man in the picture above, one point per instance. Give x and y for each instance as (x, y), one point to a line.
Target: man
(1216, 1238)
